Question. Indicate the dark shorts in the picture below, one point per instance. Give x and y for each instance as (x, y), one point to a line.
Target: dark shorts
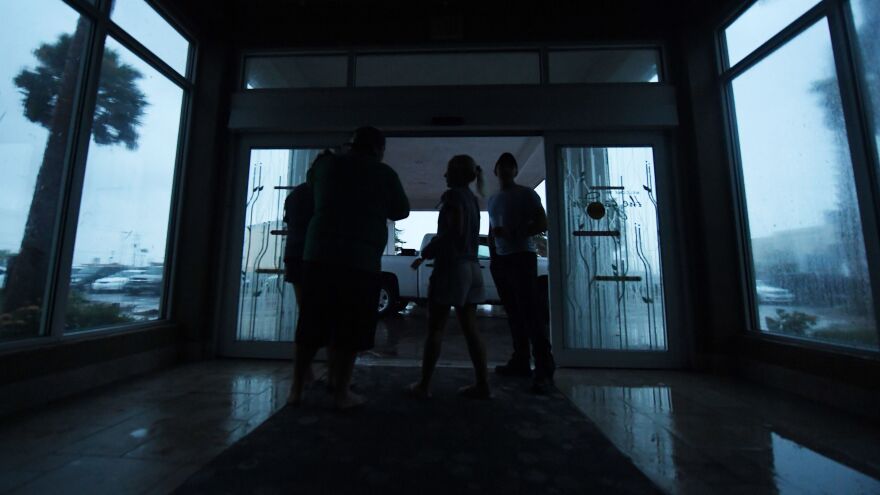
(294, 270)
(339, 307)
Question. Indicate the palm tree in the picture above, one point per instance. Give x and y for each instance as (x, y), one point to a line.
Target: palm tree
(48, 91)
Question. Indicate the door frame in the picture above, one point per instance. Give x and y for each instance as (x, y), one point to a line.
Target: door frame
(671, 242)
(233, 237)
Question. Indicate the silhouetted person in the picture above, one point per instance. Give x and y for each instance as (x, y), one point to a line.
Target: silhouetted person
(355, 195)
(298, 210)
(456, 280)
(515, 215)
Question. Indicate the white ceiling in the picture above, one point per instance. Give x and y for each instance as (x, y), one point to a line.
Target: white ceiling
(421, 162)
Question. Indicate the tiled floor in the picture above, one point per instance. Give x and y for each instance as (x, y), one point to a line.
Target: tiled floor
(699, 434)
(143, 436)
(689, 433)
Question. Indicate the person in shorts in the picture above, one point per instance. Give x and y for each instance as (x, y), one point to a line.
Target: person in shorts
(355, 195)
(456, 280)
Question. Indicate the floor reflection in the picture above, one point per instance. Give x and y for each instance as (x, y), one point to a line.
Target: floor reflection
(694, 435)
(689, 433)
(143, 436)
(810, 471)
(400, 337)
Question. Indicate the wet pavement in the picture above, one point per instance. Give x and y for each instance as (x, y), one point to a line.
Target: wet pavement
(689, 433)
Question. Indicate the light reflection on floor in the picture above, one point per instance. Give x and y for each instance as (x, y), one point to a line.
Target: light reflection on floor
(693, 434)
(690, 433)
(400, 337)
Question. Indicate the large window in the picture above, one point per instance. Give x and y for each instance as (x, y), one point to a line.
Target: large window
(126, 198)
(112, 186)
(810, 273)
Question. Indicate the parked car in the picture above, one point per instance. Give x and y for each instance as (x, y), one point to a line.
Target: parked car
(401, 284)
(81, 277)
(115, 282)
(768, 294)
(149, 282)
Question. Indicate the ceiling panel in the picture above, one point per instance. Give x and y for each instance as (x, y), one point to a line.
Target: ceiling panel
(421, 162)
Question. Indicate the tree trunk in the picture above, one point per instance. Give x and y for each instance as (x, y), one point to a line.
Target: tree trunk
(28, 271)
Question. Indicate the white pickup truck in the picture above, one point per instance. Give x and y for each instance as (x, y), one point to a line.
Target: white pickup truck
(401, 284)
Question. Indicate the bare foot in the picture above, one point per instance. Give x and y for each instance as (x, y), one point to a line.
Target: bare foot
(417, 391)
(480, 392)
(350, 401)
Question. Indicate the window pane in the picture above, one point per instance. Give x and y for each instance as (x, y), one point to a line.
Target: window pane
(296, 72)
(604, 66)
(448, 69)
(809, 255)
(151, 29)
(119, 257)
(613, 295)
(866, 14)
(759, 23)
(43, 43)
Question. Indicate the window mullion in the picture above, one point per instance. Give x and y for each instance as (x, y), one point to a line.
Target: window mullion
(136, 47)
(75, 177)
(790, 32)
(741, 218)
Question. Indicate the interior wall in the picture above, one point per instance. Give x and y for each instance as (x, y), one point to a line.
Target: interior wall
(278, 24)
(207, 168)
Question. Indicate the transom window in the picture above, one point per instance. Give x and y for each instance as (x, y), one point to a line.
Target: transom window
(579, 65)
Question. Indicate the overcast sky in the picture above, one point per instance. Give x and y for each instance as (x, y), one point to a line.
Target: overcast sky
(789, 154)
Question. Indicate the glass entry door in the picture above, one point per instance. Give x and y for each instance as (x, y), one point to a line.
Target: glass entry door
(612, 277)
(260, 310)
(267, 307)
